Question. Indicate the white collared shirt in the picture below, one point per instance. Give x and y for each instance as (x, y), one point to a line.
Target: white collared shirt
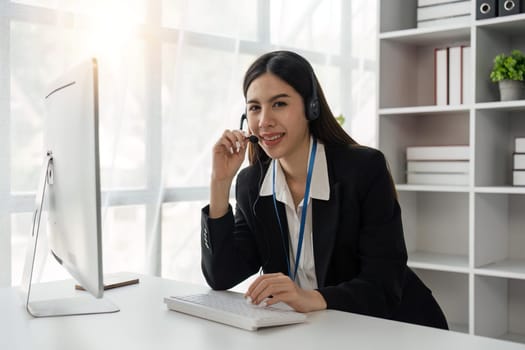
(319, 189)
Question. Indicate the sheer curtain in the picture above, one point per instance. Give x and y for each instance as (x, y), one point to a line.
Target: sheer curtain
(170, 83)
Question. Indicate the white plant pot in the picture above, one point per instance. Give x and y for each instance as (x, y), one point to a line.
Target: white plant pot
(511, 90)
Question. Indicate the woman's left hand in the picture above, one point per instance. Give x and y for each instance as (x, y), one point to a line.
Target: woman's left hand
(276, 287)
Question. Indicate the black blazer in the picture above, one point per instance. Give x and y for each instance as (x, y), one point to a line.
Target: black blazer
(359, 248)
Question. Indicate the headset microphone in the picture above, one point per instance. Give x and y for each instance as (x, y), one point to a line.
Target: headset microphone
(251, 138)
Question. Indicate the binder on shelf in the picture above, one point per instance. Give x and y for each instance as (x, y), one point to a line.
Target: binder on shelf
(519, 145)
(509, 7)
(465, 75)
(425, 166)
(519, 161)
(518, 177)
(455, 75)
(438, 153)
(459, 179)
(451, 9)
(441, 76)
(486, 9)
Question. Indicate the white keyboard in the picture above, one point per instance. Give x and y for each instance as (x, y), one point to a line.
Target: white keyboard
(232, 309)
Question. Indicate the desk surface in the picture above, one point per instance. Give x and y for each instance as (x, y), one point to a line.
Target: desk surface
(144, 322)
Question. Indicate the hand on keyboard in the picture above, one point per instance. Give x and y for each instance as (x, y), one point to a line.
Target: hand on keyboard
(232, 309)
(277, 287)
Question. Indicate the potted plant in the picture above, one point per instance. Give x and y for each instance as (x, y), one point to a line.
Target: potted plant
(509, 73)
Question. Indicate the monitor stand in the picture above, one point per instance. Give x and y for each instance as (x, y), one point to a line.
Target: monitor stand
(79, 305)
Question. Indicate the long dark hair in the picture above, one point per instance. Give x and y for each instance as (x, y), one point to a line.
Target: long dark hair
(297, 72)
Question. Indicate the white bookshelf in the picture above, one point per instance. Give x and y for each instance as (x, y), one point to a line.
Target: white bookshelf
(466, 242)
(439, 262)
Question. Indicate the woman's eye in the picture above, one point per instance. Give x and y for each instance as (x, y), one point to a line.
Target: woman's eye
(279, 104)
(253, 108)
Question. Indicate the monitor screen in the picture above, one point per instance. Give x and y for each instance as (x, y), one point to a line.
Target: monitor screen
(71, 185)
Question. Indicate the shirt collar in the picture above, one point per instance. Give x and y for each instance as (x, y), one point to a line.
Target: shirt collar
(319, 188)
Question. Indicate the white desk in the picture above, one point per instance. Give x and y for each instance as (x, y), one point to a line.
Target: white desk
(144, 322)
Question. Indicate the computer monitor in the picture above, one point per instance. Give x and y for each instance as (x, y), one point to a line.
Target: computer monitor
(71, 177)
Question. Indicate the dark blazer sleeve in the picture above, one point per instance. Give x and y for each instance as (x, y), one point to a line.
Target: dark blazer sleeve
(379, 256)
(228, 247)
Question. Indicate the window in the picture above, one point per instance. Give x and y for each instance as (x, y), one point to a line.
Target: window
(170, 81)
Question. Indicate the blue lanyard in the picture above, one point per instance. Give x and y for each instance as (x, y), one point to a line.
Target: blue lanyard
(303, 213)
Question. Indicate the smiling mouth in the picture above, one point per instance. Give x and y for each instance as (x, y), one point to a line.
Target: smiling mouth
(272, 137)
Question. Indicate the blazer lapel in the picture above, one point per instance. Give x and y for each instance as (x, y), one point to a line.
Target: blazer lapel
(325, 218)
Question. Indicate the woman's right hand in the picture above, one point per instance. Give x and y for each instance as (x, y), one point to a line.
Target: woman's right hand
(228, 154)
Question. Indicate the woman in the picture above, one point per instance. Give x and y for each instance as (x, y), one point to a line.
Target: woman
(341, 248)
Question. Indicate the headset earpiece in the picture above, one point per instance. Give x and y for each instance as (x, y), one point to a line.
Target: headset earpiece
(313, 109)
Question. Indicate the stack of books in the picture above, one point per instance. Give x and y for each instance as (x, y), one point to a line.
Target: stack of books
(518, 172)
(438, 165)
(452, 75)
(442, 13)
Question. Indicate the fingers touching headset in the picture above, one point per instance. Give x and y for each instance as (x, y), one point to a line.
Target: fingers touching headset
(233, 141)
